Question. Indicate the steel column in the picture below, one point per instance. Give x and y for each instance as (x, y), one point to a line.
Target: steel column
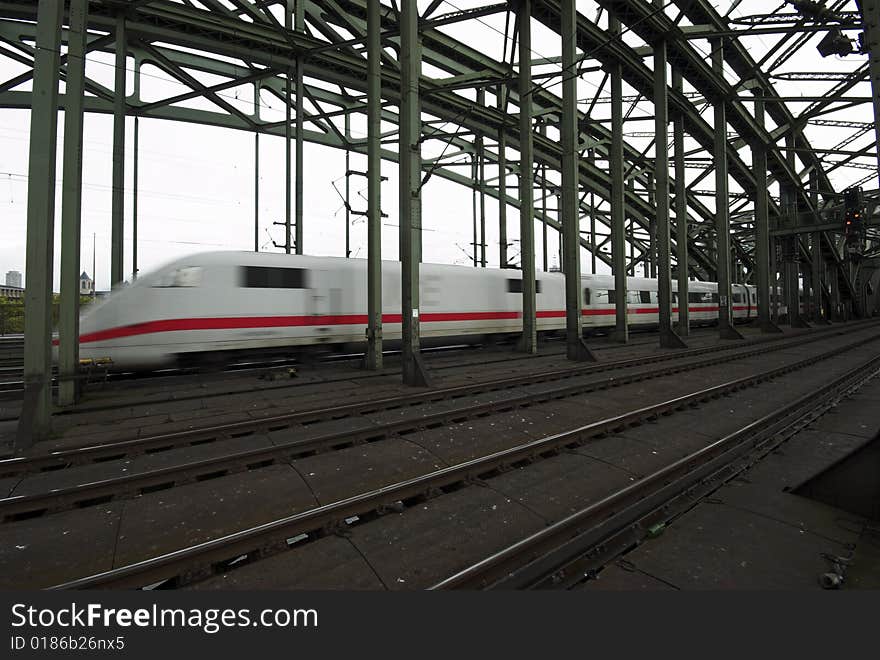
(790, 255)
(71, 206)
(134, 200)
(289, 11)
(668, 338)
(722, 201)
(299, 26)
(135, 178)
(651, 262)
(762, 223)
(410, 192)
(576, 349)
(118, 203)
(591, 154)
(543, 130)
(529, 341)
(818, 315)
(618, 195)
(34, 422)
(476, 241)
(256, 169)
(481, 182)
(681, 223)
(502, 180)
(347, 185)
(374, 187)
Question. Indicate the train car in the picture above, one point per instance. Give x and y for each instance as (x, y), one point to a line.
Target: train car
(215, 305)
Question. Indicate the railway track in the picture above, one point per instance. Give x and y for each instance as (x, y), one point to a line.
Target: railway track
(212, 557)
(308, 436)
(123, 447)
(12, 386)
(570, 551)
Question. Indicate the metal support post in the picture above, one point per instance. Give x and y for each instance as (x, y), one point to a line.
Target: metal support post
(288, 136)
(135, 177)
(347, 186)
(818, 315)
(118, 202)
(299, 26)
(256, 169)
(835, 311)
(651, 262)
(543, 130)
(591, 155)
(481, 182)
(476, 242)
(618, 196)
(410, 156)
(722, 206)
(529, 340)
(762, 223)
(819, 312)
(134, 201)
(35, 420)
(668, 338)
(374, 187)
(774, 284)
(681, 223)
(576, 349)
(790, 251)
(502, 180)
(71, 207)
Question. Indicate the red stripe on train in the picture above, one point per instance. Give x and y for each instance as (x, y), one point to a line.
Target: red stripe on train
(241, 322)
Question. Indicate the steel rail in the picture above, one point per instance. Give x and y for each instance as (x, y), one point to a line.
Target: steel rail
(591, 537)
(207, 558)
(19, 466)
(138, 483)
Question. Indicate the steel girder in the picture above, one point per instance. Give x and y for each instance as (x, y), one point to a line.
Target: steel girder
(192, 28)
(650, 25)
(196, 38)
(225, 33)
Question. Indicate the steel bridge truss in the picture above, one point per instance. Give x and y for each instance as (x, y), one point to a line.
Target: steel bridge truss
(511, 129)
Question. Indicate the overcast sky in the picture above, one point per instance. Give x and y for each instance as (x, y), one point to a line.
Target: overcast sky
(196, 182)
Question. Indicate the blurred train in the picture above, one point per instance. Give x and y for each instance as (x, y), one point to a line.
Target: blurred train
(212, 307)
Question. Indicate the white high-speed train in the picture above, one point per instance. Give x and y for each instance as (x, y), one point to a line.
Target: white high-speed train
(212, 305)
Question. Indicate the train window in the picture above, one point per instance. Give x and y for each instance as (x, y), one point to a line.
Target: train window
(188, 276)
(695, 297)
(674, 298)
(714, 297)
(645, 296)
(737, 297)
(262, 277)
(515, 286)
(586, 296)
(612, 300)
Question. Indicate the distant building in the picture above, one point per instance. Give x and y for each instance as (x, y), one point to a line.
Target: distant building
(13, 278)
(11, 292)
(86, 285)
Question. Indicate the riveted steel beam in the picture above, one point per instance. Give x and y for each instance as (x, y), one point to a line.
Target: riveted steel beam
(71, 207)
(35, 420)
(529, 340)
(374, 187)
